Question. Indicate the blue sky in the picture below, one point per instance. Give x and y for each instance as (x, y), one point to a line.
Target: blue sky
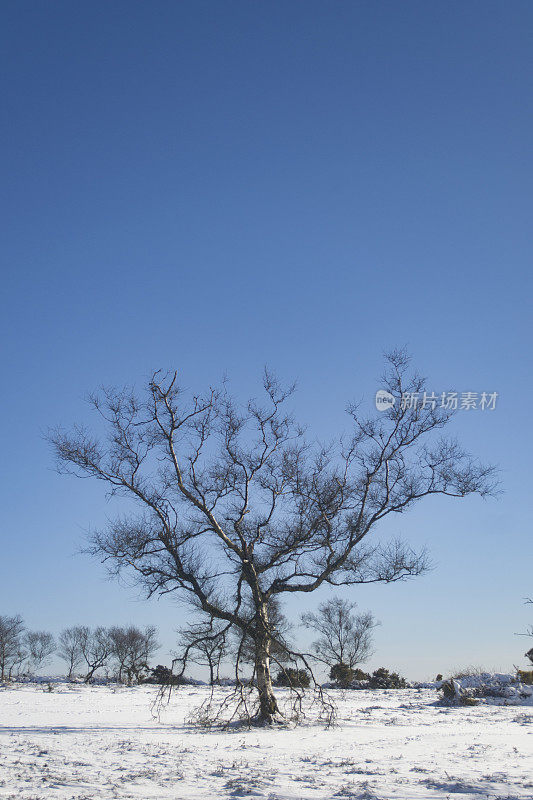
(215, 186)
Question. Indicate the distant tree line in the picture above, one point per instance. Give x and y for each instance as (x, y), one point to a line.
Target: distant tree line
(123, 652)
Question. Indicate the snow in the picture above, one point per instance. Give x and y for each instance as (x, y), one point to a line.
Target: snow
(497, 689)
(83, 742)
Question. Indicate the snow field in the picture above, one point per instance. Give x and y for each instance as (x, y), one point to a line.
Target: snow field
(84, 742)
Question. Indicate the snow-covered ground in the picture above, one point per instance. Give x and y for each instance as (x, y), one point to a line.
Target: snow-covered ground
(79, 743)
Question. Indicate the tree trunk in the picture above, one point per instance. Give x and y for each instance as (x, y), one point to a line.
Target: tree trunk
(268, 707)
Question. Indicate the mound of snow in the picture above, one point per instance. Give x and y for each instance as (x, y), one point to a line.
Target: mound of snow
(497, 689)
(486, 679)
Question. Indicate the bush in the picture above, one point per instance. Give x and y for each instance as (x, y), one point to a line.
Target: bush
(454, 694)
(345, 676)
(295, 678)
(163, 676)
(525, 676)
(470, 672)
(342, 674)
(383, 679)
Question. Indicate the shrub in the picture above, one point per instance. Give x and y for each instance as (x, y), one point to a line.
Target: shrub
(163, 676)
(454, 694)
(383, 679)
(451, 691)
(525, 676)
(342, 674)
(470, 672)
(296, 678)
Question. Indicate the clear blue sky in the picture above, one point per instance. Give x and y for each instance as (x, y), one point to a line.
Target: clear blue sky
(215, 186)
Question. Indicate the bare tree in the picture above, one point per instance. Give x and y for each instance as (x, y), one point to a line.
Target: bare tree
(40, 646)
(345, 638)
(69, 648)
(95, 647)
(204, 644)
(18, 662)
(236, 507)
(11, 650)
(131, 649)
(529, 632)
(120, 649)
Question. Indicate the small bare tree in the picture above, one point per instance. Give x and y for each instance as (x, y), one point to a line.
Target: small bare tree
(345, 638)
(39, 646)
(95, 647)
(11, 649)
(18, 662)
(236, 507)
(131, 649)
(203, 644)
(529, 632)
(69, 648)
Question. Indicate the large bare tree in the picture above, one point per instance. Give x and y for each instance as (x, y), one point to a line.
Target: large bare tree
(237, 507)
